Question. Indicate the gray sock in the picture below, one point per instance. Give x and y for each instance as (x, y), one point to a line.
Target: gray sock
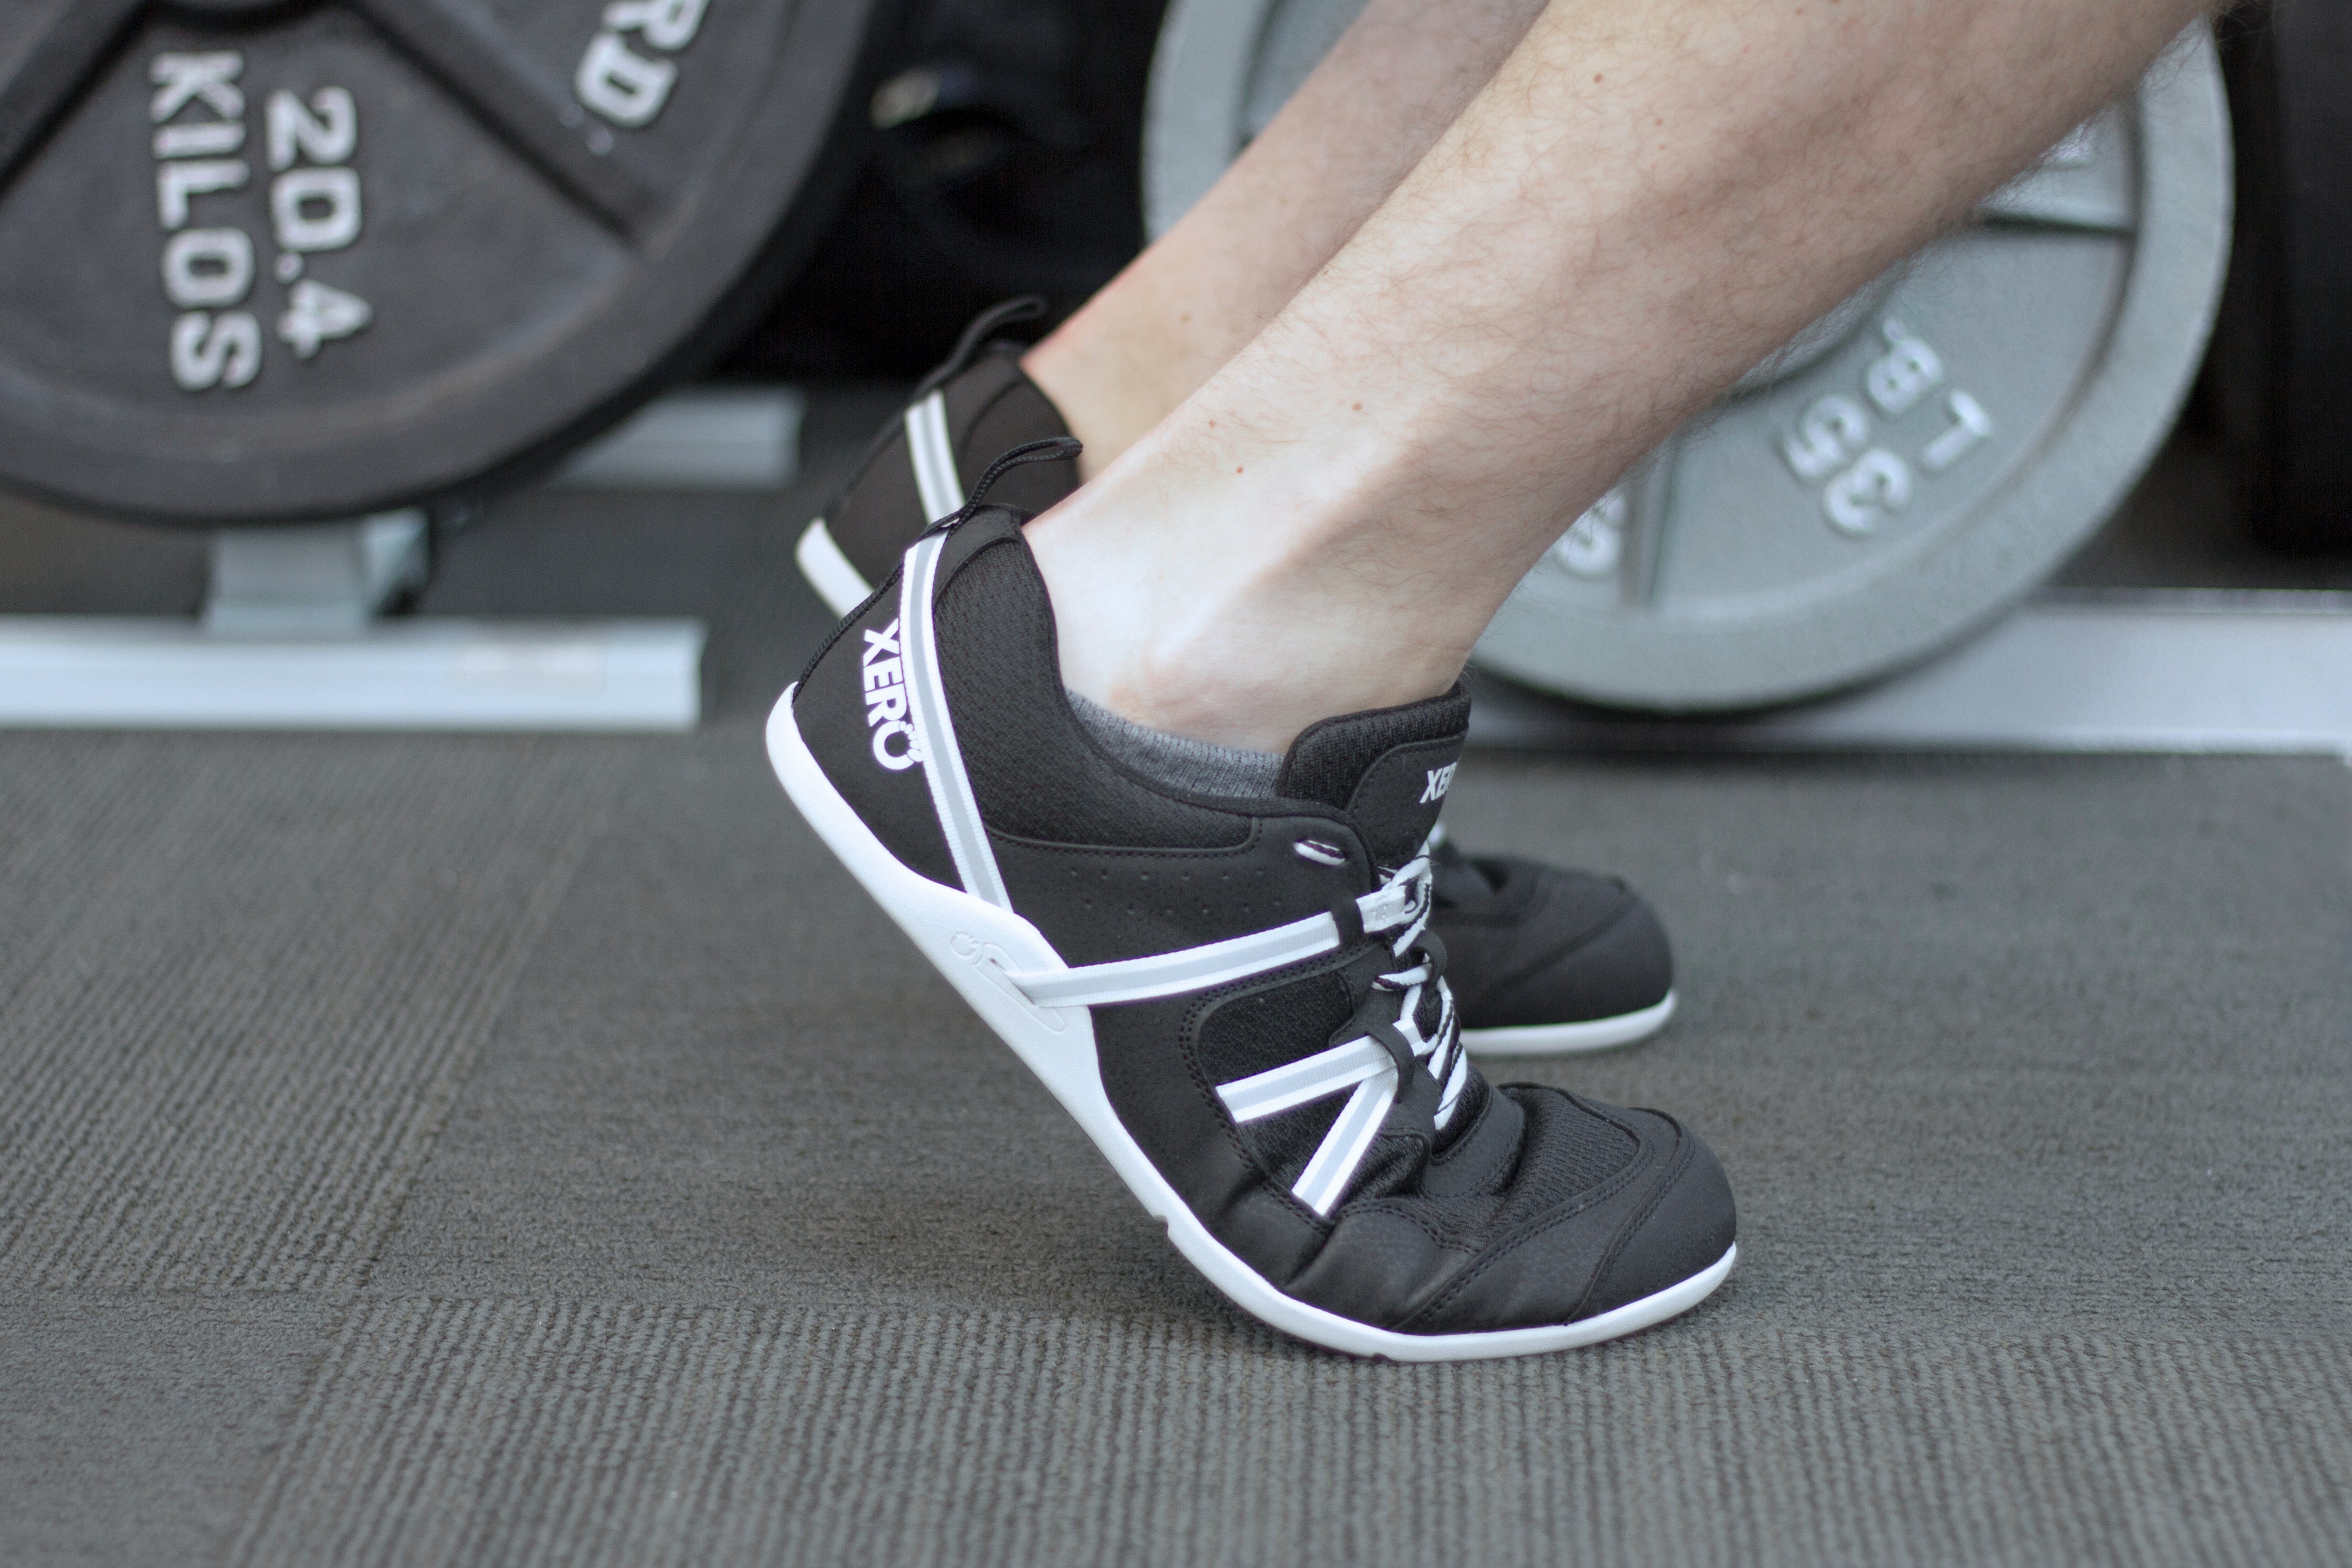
(1194, 765)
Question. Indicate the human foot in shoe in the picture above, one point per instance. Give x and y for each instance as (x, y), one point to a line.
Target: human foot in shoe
(1237, 998)
(1547, 960)
(977, 404)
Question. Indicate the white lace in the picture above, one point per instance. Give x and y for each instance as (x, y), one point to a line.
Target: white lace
(1363, 1067)
(1399, 903)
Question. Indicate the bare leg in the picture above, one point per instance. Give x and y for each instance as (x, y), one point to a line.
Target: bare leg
(1356, 127)
(1643, 202)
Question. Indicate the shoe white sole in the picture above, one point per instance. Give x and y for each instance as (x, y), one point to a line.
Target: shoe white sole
(837, 582)
(1571, 1038)
(977, 947)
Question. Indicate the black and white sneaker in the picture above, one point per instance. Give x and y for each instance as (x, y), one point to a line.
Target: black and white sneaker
(1548, 961)
(975, 406)
(1240, 1000)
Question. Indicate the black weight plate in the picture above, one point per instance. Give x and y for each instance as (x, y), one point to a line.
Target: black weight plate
(2281, 365)
(435, 240)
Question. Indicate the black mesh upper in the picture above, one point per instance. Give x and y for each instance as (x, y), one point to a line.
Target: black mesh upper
(1569, 1149)
(1566, 1152)
(1327, 760)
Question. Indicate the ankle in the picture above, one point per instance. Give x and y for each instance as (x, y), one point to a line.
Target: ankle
(1246, 654)
(1123, 363)
(1094, 384)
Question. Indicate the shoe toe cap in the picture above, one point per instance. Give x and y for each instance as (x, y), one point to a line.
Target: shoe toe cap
(1577, 1249)
(1686, 1226)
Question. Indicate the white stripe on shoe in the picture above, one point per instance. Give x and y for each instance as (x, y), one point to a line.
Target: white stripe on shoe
(1403, 899)
(837, 582)
(1186, 969)
(1343, 1148)
(1306, 1081)
(933, 453)
(935, 737)
(1362, 1065)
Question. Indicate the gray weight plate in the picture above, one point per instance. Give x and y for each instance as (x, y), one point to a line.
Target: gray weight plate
(1906, 469)
(276, 259)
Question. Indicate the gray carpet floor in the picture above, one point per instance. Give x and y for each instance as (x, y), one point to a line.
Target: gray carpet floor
(449, 1150)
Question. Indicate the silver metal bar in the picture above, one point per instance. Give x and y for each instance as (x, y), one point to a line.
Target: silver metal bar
(94, 672)
(2068, 671)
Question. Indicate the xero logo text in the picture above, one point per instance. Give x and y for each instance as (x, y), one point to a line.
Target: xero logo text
(885, 699)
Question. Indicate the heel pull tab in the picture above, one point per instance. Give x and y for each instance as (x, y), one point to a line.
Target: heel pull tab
(1027, 307)
(1053, 449)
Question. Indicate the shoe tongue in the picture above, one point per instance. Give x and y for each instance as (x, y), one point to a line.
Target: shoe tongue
(1388, 768)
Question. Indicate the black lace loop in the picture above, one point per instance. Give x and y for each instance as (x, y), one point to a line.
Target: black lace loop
(1053, 449)
(1400, 1049)
(1432, 948)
